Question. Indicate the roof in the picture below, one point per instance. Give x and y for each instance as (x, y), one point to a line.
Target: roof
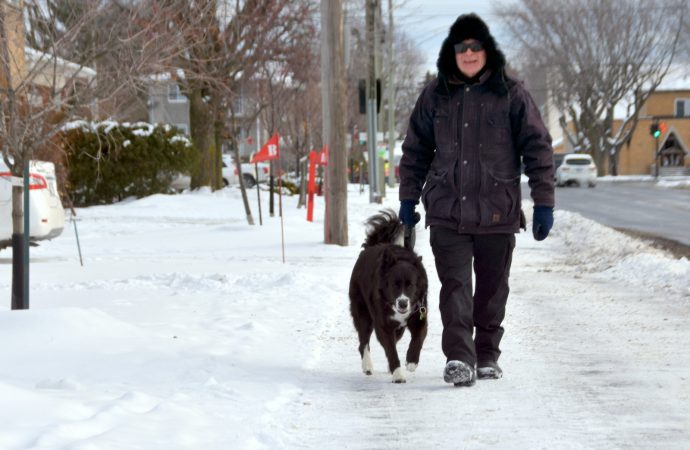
(34, 57)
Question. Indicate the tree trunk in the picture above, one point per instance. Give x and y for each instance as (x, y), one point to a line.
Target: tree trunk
(333, 104)
(217, 181)
(203, 137)
(613, 163)
(243, 189)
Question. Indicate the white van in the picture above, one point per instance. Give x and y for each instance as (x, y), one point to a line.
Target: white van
(46, 215)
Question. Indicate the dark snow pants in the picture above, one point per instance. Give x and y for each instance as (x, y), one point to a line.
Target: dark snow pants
(461, 312)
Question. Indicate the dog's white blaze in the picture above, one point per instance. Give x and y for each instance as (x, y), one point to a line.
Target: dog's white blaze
(411, 367)
(367, 364)
(398, 375)
(402, 317)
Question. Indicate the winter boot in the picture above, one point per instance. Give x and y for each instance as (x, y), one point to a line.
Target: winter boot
(487, 370)
(459, 373)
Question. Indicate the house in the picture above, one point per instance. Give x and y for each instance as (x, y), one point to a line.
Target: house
(39, 76)
(14, 30)
(668, 107)
(166, 104)
(670, 110)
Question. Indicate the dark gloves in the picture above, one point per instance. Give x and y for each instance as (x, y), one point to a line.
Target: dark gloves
(542, 221)
(407, 214)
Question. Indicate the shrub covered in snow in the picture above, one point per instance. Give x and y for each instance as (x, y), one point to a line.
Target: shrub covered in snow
(108, 161)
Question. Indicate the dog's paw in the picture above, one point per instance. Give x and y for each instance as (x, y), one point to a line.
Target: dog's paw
(367, 364)
(399, 376)
(411, 367)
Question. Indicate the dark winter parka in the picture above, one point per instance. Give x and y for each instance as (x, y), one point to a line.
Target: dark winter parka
(465, 140)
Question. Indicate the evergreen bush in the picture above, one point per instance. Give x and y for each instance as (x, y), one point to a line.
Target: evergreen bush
(110, 161)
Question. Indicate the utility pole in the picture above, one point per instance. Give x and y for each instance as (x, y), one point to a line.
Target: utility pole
(374, 194)
(333, 107)
(391, 98)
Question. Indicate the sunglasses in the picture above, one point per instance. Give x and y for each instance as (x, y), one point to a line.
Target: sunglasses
(475, 46)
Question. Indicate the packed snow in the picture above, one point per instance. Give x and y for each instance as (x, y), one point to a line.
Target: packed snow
(184, 329)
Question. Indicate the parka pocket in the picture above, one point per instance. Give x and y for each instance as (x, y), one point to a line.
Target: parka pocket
(437, 195)
(499, 202)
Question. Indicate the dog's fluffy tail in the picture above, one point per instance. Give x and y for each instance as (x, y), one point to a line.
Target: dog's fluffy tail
(384, 228)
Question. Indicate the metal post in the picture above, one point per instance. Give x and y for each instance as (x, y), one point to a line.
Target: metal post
(76, 234)
(25, 281)
(373, 157)
(371, 7)
(656, 157)
(391, 99)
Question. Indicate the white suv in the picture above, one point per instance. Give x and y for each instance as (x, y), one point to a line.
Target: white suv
(46, 215)
(229, 173)
(577, 168)
(248, 172)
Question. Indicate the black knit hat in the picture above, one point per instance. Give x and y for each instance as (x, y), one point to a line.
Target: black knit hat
(469, 26)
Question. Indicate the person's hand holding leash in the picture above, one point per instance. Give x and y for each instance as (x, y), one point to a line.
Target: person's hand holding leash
(407, 214)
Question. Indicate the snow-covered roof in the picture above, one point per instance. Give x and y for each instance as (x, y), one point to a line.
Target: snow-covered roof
(34, 57)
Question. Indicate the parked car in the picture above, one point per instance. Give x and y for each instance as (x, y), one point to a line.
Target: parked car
(181, 182)
(229, 173)
(46, 214)
(577, 168)
(248, 173)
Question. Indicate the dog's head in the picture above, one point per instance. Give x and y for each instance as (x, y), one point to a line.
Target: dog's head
(404, 284)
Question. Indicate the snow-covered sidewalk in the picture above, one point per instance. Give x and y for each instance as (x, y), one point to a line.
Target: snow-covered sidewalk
(184, 330)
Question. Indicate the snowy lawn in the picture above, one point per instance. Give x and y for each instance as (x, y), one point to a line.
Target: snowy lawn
(184, 330)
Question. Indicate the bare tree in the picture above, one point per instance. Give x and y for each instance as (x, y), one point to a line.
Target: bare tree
(408, 63)
(226, 45)
(599, 58)
(40, 90)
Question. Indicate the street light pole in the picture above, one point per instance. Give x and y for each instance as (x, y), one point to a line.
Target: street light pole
(374, 196)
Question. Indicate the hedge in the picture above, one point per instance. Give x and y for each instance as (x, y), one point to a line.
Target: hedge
(110, 161)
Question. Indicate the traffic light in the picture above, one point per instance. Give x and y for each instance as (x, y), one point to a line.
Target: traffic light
(662, 128)
(654, 130)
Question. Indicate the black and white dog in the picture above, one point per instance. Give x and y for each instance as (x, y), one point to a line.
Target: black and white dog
(388, 290)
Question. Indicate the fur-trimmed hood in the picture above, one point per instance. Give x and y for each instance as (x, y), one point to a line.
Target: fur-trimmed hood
(469, 26)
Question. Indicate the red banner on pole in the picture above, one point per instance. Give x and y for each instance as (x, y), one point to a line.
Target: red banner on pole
(323, 156)
(311, 184)
(269, 151)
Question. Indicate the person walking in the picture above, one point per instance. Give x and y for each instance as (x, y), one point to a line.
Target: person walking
(470, 129)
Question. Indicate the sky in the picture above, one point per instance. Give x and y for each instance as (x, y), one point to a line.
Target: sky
(184, 329)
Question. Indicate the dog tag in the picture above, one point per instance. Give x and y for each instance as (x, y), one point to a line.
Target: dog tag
(422, 313)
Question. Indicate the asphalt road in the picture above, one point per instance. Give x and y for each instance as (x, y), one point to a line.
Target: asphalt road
(639, 207)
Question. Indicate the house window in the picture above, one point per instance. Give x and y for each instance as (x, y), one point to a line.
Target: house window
(683, 107)
(174, 94)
